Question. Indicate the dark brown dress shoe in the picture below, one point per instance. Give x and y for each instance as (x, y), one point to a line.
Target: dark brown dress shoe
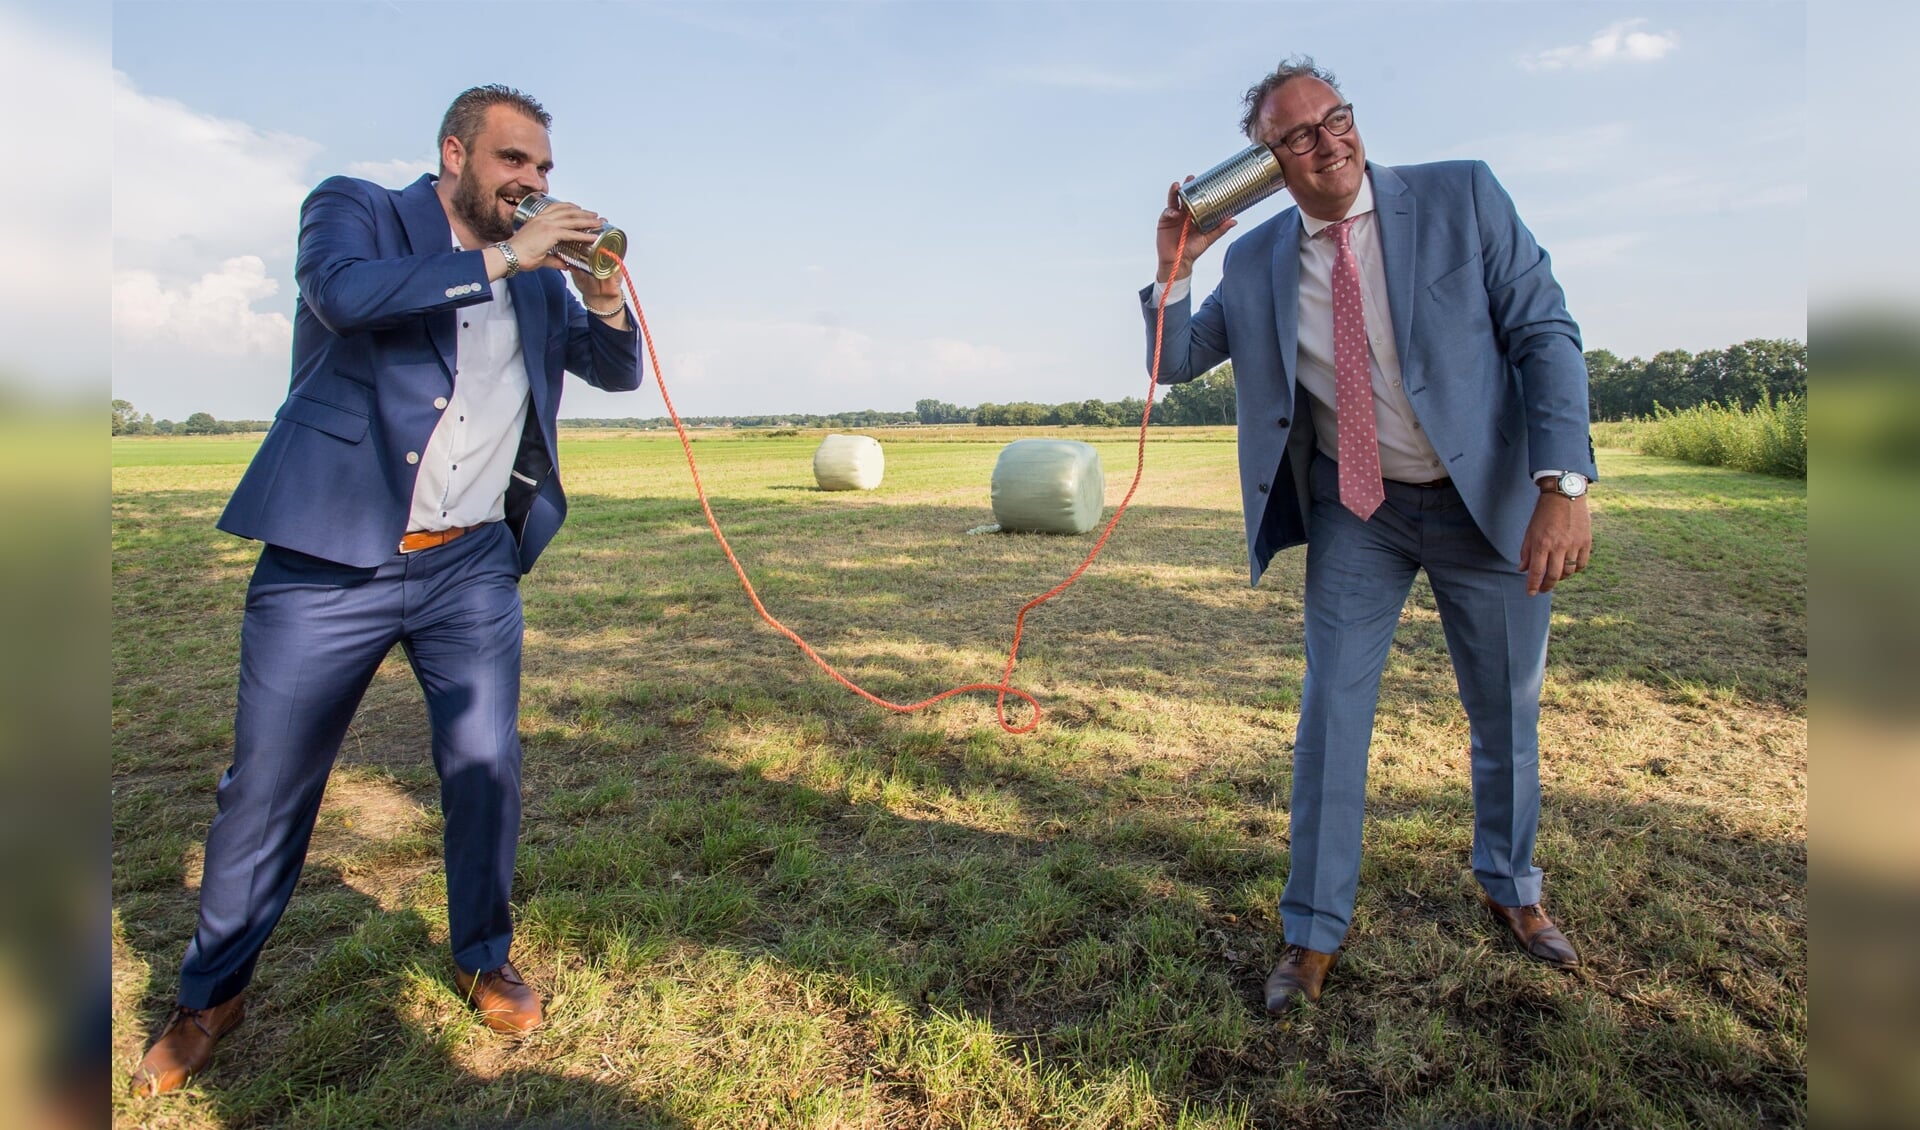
(184, 1046)
(1535, 932)
(502, 998)
(1298, 977)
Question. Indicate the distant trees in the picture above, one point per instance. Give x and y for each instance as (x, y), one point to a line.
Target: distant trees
(1740, 376)
(869, 418)
(940, 412)
(127, 421)
(130, 421)
(1754, 372)
(1207, 399)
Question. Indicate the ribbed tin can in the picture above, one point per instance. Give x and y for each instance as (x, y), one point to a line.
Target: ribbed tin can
(596, 257)
(1231, 187)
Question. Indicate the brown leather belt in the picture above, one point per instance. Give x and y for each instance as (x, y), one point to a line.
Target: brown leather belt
(427, 539)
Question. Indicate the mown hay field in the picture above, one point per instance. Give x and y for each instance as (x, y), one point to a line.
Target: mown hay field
(752, 899)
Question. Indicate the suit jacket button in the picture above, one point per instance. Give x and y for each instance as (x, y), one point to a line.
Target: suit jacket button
(413, 457)
(1263, 488)
(1285, 422)
(453, 292)
(439, 402)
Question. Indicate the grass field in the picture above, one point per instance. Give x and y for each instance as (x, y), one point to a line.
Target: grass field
(753, 900)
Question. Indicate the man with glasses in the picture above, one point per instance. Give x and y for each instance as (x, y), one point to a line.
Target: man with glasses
(1411, 396)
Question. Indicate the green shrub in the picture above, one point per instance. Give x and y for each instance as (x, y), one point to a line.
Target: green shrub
(1770, 438)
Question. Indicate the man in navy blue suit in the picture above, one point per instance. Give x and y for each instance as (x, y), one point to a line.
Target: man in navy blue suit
(409, 480)
(1411, 396)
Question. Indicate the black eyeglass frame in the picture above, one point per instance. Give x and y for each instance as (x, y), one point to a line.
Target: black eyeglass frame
(1309, 136)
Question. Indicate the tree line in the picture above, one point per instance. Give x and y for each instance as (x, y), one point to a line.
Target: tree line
(1755, 372)
(1762, 370)
(129, 421)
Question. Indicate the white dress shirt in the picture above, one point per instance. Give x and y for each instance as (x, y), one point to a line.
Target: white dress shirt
(468, 461)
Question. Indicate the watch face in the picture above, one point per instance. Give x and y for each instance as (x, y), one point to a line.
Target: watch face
(1573, 484)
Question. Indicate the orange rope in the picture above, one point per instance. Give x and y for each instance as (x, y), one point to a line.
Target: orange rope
(1004, 687)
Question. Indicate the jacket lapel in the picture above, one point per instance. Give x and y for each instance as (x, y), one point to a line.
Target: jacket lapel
(428, 233)
(1394, 203)
(1286, 291)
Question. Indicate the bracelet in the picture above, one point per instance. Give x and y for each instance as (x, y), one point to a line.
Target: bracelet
(604, 313)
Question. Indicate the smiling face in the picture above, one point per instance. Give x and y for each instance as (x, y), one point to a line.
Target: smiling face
(1325, 179)
(482, 183)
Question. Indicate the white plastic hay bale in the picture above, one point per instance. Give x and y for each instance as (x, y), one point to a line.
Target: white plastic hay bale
(848, 463)
(1048, 486)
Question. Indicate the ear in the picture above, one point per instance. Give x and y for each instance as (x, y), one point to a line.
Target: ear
(453, 156)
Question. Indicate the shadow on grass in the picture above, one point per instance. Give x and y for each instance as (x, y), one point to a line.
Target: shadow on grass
(1124, 942)
(1126, 935)
(1133, 940)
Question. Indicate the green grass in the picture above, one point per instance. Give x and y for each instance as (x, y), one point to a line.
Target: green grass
(752, 899)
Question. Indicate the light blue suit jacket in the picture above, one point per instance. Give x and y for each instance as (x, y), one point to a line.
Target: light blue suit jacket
(1489, 357)
(373, 348)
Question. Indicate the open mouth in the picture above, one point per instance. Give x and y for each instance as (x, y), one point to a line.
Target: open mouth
(1337, 165)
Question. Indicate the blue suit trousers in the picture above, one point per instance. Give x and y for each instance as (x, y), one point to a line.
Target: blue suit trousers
(313, 635)
(1358, 577)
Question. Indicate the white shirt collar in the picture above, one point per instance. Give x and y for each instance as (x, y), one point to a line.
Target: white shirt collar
(1362, 204)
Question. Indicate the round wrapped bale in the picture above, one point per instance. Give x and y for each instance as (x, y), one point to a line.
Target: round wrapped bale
(1048, 486)
(848, 463)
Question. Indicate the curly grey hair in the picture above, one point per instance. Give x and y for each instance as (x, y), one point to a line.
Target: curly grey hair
(1297, 66)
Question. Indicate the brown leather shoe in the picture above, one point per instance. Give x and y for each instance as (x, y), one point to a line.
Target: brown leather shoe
(1298, 977)
(504, 1000)
(184, 1046)
(1535, 932)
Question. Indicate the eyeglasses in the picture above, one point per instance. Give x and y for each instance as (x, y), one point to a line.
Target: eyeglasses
(1338, 122)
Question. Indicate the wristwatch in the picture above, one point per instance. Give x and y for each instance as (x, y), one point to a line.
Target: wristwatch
(511, 256)
(1568, 484)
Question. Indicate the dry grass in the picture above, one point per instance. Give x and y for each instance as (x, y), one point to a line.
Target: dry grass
(753, 900)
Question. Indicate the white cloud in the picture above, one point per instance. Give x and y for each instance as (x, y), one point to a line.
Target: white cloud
(397, 173)
(213, 314)
(190, 187)
(1620, 43)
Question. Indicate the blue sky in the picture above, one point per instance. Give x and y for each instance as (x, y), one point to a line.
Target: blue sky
(836, 206)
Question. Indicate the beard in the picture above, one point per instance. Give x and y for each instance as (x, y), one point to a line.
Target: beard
(480, 212)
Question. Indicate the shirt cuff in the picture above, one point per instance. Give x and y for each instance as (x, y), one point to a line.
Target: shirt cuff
(1175, 290)
(1538, 475)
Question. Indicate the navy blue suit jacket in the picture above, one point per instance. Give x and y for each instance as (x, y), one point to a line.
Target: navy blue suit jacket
(373, 349)
(1489, 357)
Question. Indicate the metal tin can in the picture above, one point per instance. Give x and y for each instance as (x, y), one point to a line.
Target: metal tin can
(1231, 187)
(596, 257)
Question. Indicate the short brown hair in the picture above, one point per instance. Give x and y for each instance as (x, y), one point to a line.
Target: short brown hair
(1297, 66)
(468, 114)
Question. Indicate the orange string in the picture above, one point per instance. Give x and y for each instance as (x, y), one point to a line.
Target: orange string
(1004, 687)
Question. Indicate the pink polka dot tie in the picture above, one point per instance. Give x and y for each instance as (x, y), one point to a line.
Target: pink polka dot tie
(1360, 489)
